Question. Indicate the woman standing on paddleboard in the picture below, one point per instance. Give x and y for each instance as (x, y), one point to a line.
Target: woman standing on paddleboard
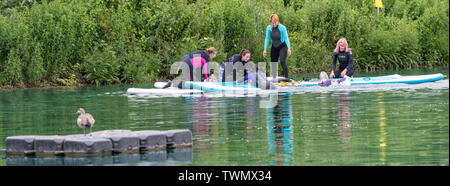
(280, 43)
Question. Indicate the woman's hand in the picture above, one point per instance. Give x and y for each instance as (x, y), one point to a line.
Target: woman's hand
(264, 53)
(289, 52)
(344, 72)
(212, 78)
(332, 74)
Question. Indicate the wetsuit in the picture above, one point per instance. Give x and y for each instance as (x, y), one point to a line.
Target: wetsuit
(197, 59)
(345, 62)
(227, 66)
(280, 45)
(259, 79)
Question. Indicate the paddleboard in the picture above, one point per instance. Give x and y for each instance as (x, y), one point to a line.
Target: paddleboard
(200, 87)
(385, 79)
(158, 91)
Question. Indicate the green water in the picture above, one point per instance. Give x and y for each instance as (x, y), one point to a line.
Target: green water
(336, 127)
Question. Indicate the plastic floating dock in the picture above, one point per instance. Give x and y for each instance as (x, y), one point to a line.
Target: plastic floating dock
(101, 142)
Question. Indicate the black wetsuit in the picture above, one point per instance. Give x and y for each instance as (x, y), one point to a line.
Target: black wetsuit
(345, 62)
(228, 65)
(279, 50)
(188, 59)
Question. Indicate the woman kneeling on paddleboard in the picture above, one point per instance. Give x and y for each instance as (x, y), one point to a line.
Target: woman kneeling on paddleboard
(227, 66)
(195, 60)
(257, 78)
(345, 57)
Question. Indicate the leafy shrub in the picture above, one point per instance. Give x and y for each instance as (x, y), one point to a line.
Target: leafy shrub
(102, 67)
(433, 34)
(392, 49)
(131, 41)
(309, 55)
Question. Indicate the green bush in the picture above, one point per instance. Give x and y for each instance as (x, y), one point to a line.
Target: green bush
(131, 41)
(433, 29)
(320, 19)
(102, 67)
(34, 70)
(140, 67)
(309, 55)
(391, 49)
(12, 70)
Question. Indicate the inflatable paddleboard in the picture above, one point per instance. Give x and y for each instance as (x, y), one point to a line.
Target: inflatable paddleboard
(385, 79)
(200, 87)
(158, 91)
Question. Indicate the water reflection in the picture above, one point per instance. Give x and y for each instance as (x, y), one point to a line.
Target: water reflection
(198, 115)
(383, 133)
(250, 115)
(344, 117)
(280, 133)
(199, 119)
(147, 158)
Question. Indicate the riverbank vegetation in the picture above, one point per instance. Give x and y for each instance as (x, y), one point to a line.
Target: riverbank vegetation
(71, 42)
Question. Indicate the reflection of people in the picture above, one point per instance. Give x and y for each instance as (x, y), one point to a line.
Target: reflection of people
(200, 118)
(345, 57)
(227, 65)
(280, 133)
(344, 117)
(280, 43)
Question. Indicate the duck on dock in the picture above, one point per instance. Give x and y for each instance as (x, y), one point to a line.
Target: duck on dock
(85, 120)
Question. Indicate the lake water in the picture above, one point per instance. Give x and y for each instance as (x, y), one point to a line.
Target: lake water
(390, 124)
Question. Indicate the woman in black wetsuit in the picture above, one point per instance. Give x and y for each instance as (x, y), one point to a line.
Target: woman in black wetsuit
(197, 59)
(227, 66)
(345, 57)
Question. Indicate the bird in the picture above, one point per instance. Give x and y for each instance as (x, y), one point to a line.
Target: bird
(85, 120)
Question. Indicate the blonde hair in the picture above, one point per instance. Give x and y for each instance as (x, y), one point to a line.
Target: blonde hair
(211, 50)
(323, 76)
(344, 42)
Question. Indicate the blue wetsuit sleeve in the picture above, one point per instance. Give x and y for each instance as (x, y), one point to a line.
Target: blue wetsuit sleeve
(287, 38)
(333, 65)
(350, 60)
(266, 42)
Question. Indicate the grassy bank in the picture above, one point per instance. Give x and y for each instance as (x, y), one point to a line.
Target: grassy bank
(68, 42)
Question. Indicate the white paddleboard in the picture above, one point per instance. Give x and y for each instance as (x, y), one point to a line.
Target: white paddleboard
(386, 79)
(158, 91)
(160, 84)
